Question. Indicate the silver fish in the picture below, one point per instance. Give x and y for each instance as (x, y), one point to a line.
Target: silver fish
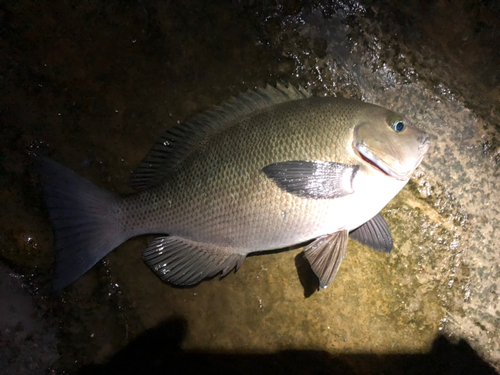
(266, 170)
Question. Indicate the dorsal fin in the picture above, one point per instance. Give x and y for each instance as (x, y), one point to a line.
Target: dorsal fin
(180, 141)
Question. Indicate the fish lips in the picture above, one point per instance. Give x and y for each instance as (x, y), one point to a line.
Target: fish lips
(389, 164)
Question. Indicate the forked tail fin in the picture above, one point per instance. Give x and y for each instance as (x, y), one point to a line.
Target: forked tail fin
(83, 220)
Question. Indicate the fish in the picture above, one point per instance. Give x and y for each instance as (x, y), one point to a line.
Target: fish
(271, 168)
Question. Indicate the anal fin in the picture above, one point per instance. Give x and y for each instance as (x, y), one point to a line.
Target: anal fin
(183, 262)
(326, 254)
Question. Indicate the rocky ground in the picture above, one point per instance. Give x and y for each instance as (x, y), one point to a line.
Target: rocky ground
(92, 84)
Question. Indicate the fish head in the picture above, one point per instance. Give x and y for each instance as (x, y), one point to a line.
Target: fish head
(390, 143)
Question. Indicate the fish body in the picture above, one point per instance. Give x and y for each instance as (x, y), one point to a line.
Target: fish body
(269, 169)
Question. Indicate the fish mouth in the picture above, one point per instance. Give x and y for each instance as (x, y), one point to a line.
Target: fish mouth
(372, 163)
(395, 169)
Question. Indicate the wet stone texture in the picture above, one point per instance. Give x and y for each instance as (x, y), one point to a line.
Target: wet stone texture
(28, 345)
(91, 85)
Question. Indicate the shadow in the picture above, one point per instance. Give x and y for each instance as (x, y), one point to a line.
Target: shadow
(158, 351)
(307, 277)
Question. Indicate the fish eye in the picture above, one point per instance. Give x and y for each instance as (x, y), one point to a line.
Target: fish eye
(398, 126)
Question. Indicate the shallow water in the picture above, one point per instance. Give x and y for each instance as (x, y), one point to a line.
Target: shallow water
(91, 86)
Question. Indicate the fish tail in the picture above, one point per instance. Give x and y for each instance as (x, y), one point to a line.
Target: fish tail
(84, 223)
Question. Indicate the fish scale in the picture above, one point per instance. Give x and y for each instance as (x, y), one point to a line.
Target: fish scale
(207, 182)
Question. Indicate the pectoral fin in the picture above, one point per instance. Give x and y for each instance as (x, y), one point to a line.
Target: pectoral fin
(375, 233)
(183, 262)
(313, 179)
(325, 256)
